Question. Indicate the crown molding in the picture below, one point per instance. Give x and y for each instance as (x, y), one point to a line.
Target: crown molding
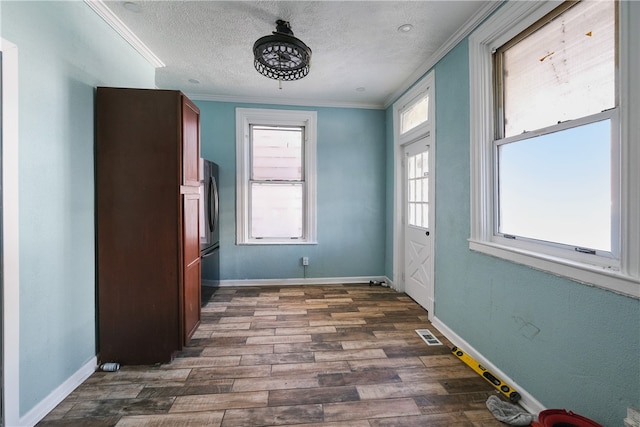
(114, 22)
(466, 29)
(283, 101)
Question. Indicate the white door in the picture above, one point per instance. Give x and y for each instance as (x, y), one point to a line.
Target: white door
(418, 214)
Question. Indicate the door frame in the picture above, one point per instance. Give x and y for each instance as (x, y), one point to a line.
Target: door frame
(10, 222)
(427, 129)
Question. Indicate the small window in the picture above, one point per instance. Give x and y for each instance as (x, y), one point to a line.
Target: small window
(276, 176)
(414, 115)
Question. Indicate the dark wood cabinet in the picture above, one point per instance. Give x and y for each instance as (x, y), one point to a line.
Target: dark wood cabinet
(148, 249)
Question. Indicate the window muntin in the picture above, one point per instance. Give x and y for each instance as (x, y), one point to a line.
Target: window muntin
(555, 171)
(414, 115)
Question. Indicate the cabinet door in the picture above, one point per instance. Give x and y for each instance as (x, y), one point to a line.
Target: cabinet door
(191, 268)
(190, 143)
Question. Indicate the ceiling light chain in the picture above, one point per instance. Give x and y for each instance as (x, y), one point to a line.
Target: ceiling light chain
(281, 56)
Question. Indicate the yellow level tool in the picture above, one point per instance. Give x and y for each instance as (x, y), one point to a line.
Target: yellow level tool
(500, 385)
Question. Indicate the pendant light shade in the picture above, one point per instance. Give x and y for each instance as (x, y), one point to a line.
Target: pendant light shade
(281, 56)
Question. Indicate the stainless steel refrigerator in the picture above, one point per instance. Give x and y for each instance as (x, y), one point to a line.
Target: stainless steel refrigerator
(209, 223)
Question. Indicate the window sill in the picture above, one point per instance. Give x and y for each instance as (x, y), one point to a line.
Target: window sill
(276, 243)
(592, 275)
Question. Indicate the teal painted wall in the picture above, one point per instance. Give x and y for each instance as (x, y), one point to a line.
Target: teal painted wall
(351, 183)
(65, 50)
(570, 345)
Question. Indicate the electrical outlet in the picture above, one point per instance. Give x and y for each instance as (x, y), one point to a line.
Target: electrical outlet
(305, 260)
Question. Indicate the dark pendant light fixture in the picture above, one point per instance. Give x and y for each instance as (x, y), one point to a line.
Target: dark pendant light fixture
(281, 56)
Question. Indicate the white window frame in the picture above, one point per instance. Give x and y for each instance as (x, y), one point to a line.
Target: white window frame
(414, 95)
(245, 117)
(621, 276)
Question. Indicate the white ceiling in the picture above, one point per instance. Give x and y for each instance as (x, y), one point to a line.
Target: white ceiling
(359, 56)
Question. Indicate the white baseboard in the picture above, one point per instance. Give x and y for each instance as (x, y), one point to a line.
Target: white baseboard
(527, 401)
(59, 394)
(211, 283)
(296, 281)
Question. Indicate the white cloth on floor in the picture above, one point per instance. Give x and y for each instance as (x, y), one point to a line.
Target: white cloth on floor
(508, 412)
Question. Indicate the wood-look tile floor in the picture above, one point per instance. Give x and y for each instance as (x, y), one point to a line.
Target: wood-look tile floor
(335, 355)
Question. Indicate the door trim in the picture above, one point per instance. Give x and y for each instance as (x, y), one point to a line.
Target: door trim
(426, 84)
(10, 222)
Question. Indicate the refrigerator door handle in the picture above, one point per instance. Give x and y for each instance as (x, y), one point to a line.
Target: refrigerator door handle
(214, 202)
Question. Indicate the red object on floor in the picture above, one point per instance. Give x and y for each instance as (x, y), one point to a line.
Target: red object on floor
(562, 418)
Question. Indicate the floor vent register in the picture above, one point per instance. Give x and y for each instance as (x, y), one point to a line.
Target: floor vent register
(428, 337)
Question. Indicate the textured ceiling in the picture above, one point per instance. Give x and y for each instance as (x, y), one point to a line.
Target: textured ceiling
(359, 56)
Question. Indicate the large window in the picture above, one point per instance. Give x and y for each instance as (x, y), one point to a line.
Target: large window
(547, 137)
(276, 171)
(556, 112)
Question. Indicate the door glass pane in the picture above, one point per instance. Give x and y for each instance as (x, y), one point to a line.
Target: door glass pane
(563, 71)
(415, 115)
(557, 187)
(276, 210)
(411, 166)
(425, 215)
(276, 153)
(412, 191)
(417, 190)
(425, 190)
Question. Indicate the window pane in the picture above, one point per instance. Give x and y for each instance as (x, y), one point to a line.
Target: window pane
(412, 191)
(563, 71)
(412, 214)
(276, 153)
(276, 210)
(415, 115)
(411, 161)
(418, 191)
(425, 215)
(418, 215)
(425, 189)
(557, 187)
